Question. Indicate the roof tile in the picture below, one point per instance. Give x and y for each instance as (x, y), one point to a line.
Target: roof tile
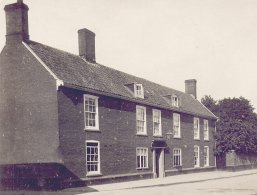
(74, 70)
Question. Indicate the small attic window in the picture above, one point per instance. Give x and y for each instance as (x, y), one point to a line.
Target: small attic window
(139, 90)
(174, 101)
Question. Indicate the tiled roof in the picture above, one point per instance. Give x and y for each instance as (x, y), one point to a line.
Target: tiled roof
(76, 72)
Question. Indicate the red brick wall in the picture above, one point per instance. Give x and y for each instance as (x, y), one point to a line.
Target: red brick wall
(28, 109)
(117, 135)
(187, 142)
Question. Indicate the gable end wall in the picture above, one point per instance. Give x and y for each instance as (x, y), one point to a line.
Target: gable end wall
(28, 109)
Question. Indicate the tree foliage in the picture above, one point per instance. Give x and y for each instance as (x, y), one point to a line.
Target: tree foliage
(237, 124)
(210, 103)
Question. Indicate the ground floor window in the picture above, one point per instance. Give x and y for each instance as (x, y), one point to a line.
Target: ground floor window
(142, 157)
(206, 156)
(93, 157)
(196, 156)
(177, 160)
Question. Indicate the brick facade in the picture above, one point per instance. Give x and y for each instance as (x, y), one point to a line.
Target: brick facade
(118, 138)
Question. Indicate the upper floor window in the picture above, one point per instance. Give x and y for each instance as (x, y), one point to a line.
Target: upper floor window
(196, 128)
(139, 90)
(206, 156)
(157, 127)
(206, 129)
(174, 101)
(142, 158)
(141, 120)
(177, 158)
(91, 112)
(93, 157)
(176, 125)
(196, 156)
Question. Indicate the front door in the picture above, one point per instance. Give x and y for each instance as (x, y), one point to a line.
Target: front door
(158, 162)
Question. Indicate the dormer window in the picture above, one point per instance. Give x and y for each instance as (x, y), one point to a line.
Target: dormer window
(136, 90)
(139, 90)
(174, 101)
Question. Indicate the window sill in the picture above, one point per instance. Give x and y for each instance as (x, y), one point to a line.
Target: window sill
(94, 130)
(206, 140)
(177, 137)
(137, 97)
(141, 134)
(146, 168)
(197, 139)
(94, 174)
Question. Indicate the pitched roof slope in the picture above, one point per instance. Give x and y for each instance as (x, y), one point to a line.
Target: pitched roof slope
(75, 71)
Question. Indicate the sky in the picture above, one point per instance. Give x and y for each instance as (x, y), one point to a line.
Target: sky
(164, 41)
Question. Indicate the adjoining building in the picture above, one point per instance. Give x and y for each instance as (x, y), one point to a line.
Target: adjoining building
(67, 117)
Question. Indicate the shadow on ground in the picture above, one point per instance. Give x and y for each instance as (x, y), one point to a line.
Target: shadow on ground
(40, 178)
(31, 190)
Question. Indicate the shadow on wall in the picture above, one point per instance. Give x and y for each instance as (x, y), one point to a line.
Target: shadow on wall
(38, 176)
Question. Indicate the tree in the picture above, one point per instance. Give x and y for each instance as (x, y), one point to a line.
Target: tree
(210, 103)
(237, 124)
(236, 109)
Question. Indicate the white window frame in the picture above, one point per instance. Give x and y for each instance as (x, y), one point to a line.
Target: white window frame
(141, 151)
(88, 127)
(179, 155)
(89, 173)
(206, 129)
(175, 101)
(139, 120)
(196, 158)
(157, 112)
(139, 93)
(206, 156)
(176, 127)
(196, 128)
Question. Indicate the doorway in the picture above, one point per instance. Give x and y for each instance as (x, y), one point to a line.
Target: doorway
(158, 162)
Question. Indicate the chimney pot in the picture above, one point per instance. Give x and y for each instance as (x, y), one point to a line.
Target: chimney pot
(190, 87)
(87, 44)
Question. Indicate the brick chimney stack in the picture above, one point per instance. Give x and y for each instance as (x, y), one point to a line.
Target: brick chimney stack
(190, 87)
(87, 44)
(17, 28)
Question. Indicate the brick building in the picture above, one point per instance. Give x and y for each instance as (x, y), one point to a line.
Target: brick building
(64, 116)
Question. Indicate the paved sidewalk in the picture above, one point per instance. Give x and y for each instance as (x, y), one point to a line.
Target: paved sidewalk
(115, 187)
(173, 180)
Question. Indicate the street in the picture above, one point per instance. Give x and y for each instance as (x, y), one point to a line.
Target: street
(215, 182)
(246, 184)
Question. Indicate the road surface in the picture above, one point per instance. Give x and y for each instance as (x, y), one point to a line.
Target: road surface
(245, 184)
